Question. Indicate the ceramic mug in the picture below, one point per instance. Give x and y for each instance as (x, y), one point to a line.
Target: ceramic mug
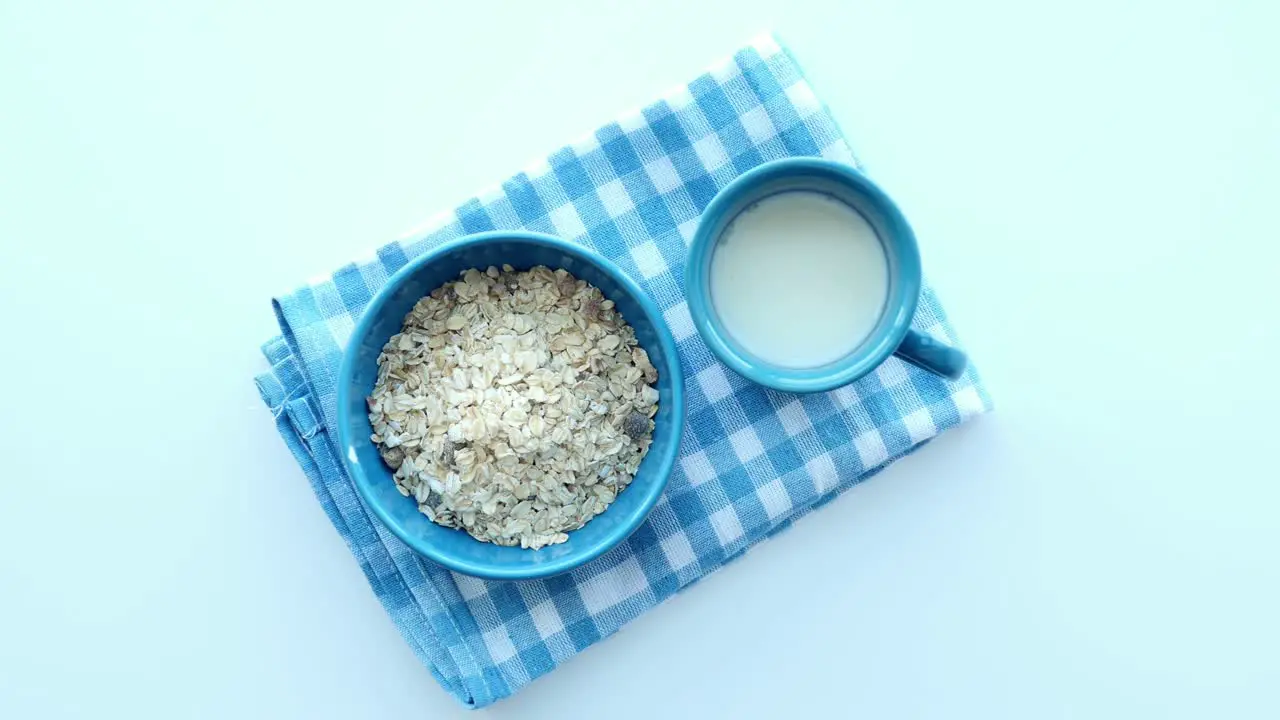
(892, 334)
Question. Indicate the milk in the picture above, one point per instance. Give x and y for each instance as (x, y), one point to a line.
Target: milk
(799, 279)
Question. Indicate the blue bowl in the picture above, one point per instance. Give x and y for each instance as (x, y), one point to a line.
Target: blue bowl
(455, 549)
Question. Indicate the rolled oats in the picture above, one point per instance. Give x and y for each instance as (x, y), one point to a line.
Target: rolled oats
(514, 405)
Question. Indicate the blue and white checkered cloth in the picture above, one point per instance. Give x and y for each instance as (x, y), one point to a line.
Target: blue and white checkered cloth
(752, 460)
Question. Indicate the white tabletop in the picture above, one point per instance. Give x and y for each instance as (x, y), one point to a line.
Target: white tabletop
(1094, 187)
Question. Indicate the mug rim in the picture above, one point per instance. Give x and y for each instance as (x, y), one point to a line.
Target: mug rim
(874, 349)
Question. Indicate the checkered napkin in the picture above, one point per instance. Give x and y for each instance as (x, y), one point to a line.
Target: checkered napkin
(752, 460)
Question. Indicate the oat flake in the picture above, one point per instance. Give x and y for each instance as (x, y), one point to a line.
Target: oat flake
(514, 405)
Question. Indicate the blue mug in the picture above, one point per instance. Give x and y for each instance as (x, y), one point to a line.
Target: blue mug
(892, 335)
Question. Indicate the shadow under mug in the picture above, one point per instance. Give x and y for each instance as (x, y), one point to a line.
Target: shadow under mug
(892, 335)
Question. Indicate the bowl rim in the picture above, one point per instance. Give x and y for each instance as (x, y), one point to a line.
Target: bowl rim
(666, 461)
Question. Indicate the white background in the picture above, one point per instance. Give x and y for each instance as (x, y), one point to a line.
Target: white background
(1095, 188)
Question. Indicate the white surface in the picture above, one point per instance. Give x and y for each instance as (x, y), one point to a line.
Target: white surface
(1094, 187)
(829, 270)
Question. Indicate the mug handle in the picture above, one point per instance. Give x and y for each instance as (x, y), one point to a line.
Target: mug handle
(928, 354)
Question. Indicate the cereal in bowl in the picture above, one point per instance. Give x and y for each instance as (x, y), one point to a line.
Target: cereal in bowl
(514, 405)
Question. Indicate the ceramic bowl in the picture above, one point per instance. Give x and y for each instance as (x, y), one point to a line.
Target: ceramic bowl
(383, 317)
